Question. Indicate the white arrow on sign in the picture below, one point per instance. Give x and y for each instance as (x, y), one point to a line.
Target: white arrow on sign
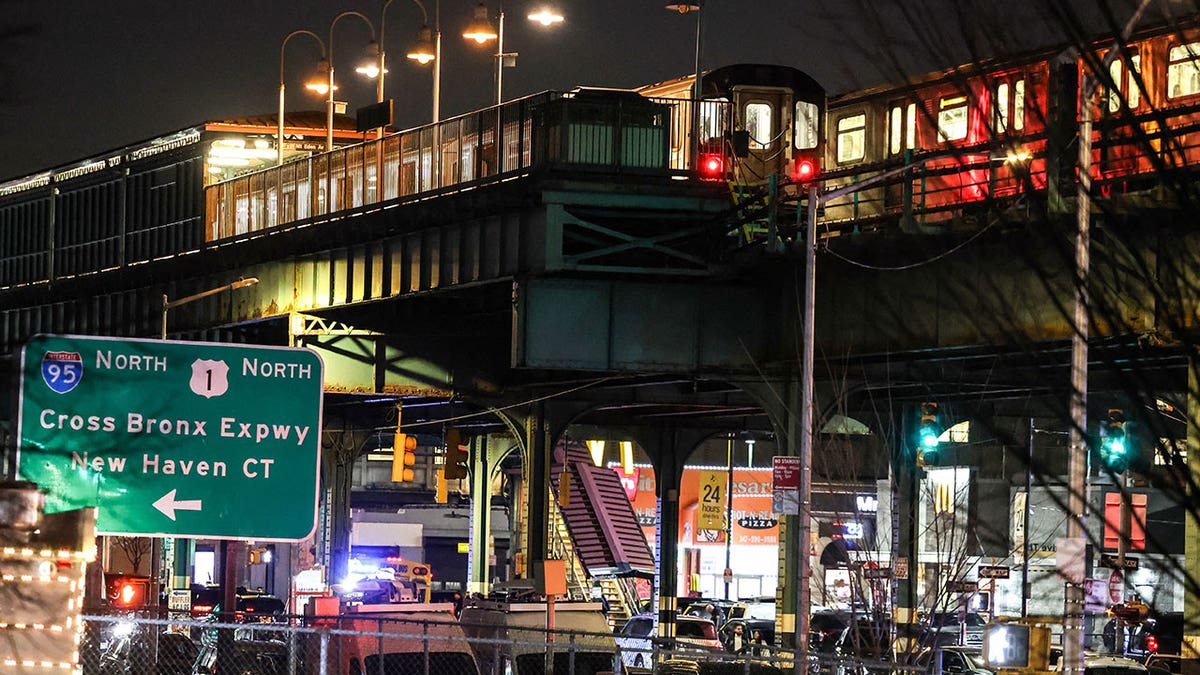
(169, 505)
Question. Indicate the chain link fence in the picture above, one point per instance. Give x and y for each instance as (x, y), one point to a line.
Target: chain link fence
(133, 644)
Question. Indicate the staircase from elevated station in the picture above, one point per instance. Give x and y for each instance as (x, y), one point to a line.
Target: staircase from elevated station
(595, 529)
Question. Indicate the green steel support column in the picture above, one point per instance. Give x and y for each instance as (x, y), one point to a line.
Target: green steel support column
(905, 505)
(185, 552)
(337, 459)
(790, 546)
(1190, 649)
(537, 471)
(667, 475)
(481, 500)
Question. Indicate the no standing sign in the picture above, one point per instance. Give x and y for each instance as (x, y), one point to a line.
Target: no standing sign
(182, 439)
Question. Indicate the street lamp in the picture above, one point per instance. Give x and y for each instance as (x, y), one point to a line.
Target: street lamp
(279, 137)
(685, 8)
(480, 30)
(168, 304)
(329, 66)
(427, 49)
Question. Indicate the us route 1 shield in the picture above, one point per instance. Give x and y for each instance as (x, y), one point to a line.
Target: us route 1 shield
(180, 439)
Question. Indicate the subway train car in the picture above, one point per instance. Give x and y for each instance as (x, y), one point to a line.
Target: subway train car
(1003, 132)
(775, 116)
(137, 203)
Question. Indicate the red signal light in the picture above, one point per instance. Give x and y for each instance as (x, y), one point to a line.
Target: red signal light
(1151, 643)
(712, 166)
(130, 595)
(805, 169)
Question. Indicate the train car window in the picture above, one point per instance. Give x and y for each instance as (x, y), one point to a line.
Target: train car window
(902, 127)
(805, 133)
(1008, 107)
(758, 123)
(1183, 73)
(851, 138)
(710, 118)
(1018, 109)
(1127, 88)
(952, 118)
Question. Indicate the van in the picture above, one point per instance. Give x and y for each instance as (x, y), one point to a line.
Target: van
(418, 638)
(510, 638)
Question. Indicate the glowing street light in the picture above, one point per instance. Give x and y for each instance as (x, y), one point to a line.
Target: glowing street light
(480, 30)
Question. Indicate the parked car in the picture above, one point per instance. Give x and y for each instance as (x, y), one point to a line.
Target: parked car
(825, 629)
(252, 606)
(953, 659)
(1159, 664)
(638, 637)
(947, 628)
(1159, 634)
(752, 615)
(699, 607)
(1094, 664)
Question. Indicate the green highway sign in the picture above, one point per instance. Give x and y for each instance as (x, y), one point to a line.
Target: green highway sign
(180, 439)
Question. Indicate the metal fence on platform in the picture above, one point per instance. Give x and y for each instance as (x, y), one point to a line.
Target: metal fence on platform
(601, 130)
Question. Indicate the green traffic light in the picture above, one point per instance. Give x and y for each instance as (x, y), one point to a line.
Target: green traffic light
(929, 438)
(1115, 447)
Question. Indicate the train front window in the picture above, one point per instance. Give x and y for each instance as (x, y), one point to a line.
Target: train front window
(1183, 73)
(758, 123)
(952, 118)
(1127, 87)
(902, 127)
(851, 138)
(710, 118)
(805, 136)
(1008, 107)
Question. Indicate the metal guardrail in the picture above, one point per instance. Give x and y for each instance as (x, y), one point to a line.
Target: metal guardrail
(610, 131)
(135, 645)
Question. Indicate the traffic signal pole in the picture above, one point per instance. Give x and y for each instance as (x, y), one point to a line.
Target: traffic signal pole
(816, 199)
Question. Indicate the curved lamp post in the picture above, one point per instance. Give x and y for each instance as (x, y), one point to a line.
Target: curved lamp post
(685, 8)
(428, 49)
(282, 86)
(329, 62)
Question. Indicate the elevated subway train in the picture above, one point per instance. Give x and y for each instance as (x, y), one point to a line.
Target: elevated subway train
(990, 132)
(1000, 130)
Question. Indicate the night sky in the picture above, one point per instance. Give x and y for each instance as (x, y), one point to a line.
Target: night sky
(80, 77)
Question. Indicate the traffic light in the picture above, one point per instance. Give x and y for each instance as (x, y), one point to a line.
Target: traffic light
(928, 432)
(712, 166)
(128, 592)
(805, 169)
(404, 458)
(1114, 442)
(457, 457)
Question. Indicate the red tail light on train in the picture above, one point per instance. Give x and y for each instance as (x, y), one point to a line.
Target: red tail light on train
(805, 169)
(712, 166)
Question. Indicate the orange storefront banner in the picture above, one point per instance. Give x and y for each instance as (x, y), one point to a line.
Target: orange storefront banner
(753, 522)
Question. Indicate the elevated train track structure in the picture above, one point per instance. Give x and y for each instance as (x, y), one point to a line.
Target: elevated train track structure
(565, 259)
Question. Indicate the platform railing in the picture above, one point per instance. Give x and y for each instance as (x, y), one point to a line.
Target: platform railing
(604, 131)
